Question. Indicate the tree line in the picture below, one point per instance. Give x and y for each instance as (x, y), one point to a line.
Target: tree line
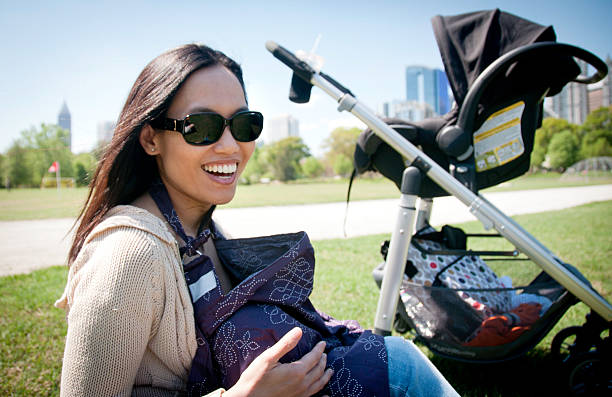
(28, 159)
(558, 144)
(290, 159)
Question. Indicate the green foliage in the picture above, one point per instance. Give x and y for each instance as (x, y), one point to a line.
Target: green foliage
(254, 169)
(31, 155)
(563, 143)
(27, 161)
(282, 158)
(343, 165)
(544, 134)
(563, 150)
(312, 167)
(82, 179)
(597, 138)
(18, 171)
(341, 142)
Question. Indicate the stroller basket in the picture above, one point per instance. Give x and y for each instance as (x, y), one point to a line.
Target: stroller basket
(500, 67)
(460, 309)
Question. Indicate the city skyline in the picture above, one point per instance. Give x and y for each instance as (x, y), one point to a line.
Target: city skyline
(92, 63)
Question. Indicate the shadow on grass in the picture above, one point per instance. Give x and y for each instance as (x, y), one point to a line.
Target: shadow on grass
(535, 374)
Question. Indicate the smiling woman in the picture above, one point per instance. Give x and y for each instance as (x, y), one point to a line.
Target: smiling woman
(131, 326)
(161, 303)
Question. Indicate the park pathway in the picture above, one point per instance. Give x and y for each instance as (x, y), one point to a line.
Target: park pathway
(30, 245)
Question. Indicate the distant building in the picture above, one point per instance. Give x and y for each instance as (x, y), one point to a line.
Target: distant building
(576, 101)
(105, 131)
(430, 86)
(63, 120)
(600, 94)
(280, 127)
(408, 110)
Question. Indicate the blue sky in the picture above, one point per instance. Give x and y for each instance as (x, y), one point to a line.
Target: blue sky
(89, 53)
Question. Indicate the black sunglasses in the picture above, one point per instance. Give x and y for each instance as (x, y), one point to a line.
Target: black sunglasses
(207, 128)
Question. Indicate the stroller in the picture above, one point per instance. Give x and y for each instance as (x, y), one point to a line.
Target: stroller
(500, 68)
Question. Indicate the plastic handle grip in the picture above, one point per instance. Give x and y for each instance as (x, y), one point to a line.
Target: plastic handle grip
(301, 68)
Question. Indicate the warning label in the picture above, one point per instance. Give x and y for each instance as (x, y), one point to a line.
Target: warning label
(499, 139)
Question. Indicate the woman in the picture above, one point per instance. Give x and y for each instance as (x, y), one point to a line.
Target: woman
(130, 319)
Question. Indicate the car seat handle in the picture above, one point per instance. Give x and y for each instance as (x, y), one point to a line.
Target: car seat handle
(469, 108)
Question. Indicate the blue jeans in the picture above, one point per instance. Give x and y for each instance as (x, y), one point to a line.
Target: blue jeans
(411, 373)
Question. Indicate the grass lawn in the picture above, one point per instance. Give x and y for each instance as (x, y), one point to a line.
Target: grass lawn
(32, 330)
(19, 204)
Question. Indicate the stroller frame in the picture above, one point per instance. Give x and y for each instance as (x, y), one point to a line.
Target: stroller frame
(414, 212)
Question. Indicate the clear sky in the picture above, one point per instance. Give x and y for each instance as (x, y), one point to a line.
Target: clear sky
(89, 53)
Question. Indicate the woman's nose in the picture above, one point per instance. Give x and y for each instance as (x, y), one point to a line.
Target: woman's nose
(227, 143)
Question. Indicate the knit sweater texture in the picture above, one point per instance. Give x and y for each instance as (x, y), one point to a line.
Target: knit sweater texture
(130, 319)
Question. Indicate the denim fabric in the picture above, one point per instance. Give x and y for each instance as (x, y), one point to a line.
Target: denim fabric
(411, 373)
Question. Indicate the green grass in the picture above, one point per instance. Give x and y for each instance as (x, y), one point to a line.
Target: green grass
(552, 180)
(32, 333)
(580, 236)
(32, 330)
(20, 204)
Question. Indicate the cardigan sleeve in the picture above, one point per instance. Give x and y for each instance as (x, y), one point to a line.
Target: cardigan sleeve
(114, 307)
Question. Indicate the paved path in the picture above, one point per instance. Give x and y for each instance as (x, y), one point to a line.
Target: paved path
(29, 245)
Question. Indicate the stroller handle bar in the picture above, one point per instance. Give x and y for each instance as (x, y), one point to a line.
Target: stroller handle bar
(469, 108)
(483, 210)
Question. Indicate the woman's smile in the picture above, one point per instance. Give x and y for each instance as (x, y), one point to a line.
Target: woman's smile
(224, 173)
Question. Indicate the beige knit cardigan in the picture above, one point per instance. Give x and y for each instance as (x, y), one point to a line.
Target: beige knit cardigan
(130, 319)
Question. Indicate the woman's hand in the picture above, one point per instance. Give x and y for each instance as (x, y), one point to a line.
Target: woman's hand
(265, 376)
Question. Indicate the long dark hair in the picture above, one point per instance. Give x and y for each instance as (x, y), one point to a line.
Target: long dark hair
(125, 171)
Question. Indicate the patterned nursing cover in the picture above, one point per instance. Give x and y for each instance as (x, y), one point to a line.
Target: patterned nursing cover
(273, 278)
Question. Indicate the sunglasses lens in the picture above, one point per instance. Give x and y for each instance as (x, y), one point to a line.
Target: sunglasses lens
(247, 126)
(203, 129)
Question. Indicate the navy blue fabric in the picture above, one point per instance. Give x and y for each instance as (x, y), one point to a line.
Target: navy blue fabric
(273, 278)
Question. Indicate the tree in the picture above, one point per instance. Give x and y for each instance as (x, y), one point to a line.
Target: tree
(563, 150)
(341, 142)
(84, 165)
(254, 170)
(597, 134)
(82, 179)
(18, 171)
(312, 167)
(282, 158)
(544, 134)
(44, 146)
(343, 165)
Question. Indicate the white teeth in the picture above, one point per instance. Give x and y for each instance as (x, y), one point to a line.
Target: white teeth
(221, 168)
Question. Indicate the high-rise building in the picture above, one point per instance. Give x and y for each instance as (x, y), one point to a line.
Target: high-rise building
(63, 120)
(427, 85)
(280, 127)
(576, 101)
(408, 110)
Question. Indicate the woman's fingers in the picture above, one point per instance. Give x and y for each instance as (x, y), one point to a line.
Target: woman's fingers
(265, 376)
(313, 357)
(284, 345)
(320, 383)
(318, 377)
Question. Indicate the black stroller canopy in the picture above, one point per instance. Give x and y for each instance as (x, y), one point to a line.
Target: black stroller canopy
(468, 43)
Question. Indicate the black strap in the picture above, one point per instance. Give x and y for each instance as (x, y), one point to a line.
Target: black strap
(437, 282)
(348, 197)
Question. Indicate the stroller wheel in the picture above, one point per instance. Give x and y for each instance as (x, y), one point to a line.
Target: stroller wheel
(589, 375)
(564, 343)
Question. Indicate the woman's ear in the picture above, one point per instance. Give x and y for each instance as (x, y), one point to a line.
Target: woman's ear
(148, 140)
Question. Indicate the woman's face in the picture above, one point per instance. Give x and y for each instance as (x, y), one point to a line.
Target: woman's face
(201, 176)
